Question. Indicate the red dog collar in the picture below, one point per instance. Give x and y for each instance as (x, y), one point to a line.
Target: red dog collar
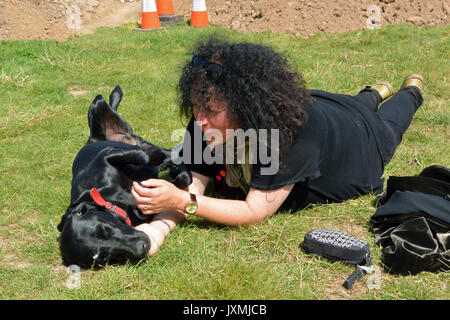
(108, 205)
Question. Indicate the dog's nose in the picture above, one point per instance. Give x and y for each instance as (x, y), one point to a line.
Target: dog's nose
(142, 248)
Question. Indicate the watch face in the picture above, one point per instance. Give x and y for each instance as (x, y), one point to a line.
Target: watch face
(191, 207)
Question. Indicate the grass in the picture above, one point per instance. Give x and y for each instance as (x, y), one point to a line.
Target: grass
(46, 88)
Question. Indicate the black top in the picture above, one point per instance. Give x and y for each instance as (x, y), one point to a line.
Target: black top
(338, 154)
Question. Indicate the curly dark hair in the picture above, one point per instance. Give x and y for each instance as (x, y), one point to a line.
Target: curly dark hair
(258, 86)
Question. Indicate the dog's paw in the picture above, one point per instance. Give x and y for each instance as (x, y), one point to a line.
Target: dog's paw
(166, 164)
(182, 176)
(183, 180)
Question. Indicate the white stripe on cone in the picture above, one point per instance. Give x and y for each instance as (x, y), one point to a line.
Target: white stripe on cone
(198, 5)
(148, 6)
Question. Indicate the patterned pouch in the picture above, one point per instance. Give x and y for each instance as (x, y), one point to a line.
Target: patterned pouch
(340, 246)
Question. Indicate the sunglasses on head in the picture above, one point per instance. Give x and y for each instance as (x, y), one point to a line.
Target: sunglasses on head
(214, 70)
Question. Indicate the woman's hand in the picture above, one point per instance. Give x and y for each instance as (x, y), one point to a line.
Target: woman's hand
(156, 195)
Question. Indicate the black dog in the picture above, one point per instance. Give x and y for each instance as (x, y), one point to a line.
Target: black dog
(97, 228)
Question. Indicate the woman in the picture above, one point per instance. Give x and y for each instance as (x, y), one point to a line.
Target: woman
(330, 147)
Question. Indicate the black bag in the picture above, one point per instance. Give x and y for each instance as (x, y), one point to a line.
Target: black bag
(413, 223)
(340, 246)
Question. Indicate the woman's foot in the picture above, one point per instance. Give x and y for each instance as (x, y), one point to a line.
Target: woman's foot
(413, 80)
(384, 88)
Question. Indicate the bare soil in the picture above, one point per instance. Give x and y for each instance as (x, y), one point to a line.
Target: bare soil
(54, 19)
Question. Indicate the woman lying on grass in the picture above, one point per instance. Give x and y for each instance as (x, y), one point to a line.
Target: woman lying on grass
(323, 147)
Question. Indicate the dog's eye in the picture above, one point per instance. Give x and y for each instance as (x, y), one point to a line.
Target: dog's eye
(82, 211)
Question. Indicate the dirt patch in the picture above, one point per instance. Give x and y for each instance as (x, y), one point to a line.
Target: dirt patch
(61, 19)
(76, 92)
(305, 17)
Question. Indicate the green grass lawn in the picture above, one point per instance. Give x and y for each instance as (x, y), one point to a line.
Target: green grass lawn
(46, 88)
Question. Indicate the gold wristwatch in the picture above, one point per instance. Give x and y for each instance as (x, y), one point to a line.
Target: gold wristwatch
(192, 206)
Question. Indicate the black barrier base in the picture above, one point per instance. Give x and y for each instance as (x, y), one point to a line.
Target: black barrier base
(171, 18)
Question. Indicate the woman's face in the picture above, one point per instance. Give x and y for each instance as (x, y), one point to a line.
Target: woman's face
(215, 123)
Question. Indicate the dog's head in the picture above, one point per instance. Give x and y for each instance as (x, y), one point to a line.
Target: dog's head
(91, 237)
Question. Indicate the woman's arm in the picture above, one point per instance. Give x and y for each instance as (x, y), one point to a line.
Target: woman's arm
(258, 206)
(156, 195)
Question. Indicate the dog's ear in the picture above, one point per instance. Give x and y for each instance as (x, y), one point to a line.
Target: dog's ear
(105, 123)
(61, 223)
(68, 213)
(115, 97)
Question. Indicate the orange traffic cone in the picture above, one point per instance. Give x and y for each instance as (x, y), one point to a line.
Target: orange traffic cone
(165, 7)
(150, 19)
(166, 12)
(199, 15)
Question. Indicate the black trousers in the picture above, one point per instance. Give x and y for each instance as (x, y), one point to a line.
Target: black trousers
(396, 113)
